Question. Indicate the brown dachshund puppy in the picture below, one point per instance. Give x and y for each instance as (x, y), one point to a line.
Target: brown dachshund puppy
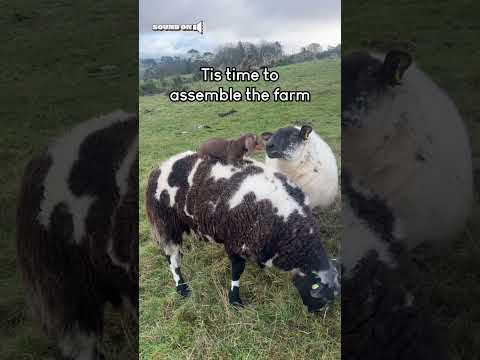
(231, 150)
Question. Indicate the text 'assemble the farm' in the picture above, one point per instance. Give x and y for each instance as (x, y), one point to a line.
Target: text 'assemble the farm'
(230, 94)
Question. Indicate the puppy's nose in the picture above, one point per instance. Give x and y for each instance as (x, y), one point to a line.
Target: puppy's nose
(259, 146)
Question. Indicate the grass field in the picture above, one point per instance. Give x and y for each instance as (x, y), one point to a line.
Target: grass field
(443, 39)
(52, 78)
(274, 323)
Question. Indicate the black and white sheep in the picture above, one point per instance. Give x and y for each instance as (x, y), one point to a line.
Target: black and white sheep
(256, 213)
(385, 308)
(403, 136)
(77, 231)
(307, 160)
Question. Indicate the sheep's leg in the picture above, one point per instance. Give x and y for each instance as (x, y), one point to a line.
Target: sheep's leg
(238, 266)
(173, 255)
(78, 344)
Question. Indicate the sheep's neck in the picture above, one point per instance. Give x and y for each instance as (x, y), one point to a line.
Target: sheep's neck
(292, 167)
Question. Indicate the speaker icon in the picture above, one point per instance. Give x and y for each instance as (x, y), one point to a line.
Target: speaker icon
(198, 27)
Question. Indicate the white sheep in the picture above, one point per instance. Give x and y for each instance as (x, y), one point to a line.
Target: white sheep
(307, 160)
(403, 138)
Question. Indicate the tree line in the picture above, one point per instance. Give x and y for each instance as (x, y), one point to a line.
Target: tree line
(176, 72)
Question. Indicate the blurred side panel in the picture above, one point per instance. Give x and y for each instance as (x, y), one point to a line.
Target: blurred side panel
(410, 111)
(69, 158)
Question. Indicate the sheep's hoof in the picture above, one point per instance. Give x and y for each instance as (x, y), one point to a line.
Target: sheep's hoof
(234, 297)
(183, 290)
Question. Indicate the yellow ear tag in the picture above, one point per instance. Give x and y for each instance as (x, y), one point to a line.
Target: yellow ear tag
(397, 76)
(305, 136)
(315, 286)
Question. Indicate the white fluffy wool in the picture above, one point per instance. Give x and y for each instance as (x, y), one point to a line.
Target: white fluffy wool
(314, 170)
(432, 197)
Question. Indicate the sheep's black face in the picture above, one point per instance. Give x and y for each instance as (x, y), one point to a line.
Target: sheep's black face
(365, 78)
(286, 143)
(318, 288)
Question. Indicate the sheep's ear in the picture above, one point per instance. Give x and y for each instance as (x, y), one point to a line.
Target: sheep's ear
(305, 132)
(266, 135)
(394, 66)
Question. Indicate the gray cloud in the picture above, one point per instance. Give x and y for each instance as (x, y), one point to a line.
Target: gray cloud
(293, 23)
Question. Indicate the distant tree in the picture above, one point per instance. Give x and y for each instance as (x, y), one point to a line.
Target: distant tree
(188, 66)
(246, 55)
(192, 53)
(148, 88)
(148, 62)
(314, 48)
(177, 81)
(153, 72)
(270, 52)
(240, 53)
(197, 64)
(332, 51)
(166, 59)
(251, 51)
(208, 56)
(278, 50)
(224, 56)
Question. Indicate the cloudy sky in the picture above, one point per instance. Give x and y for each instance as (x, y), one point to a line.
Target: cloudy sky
(294, 23)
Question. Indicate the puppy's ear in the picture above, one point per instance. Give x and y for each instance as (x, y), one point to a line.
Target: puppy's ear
(394, 66)
(250, 144)
(305, 132)
(266, 135)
